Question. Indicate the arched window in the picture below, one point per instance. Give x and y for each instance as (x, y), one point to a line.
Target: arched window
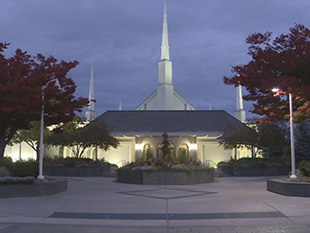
(183, 154)
(148, 151)
(171, 147)
(183, 150)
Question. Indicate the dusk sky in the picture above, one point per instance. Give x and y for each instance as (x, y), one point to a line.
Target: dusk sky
(123, 38)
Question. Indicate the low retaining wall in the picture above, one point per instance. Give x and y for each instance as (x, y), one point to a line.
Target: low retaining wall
(39, 188)
(287, 188)
(164, 177)
(256, 171)
(268, 171)
(75, 171)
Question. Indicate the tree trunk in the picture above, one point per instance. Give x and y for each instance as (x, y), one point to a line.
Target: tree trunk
(253, 152)
(4, 139)
(2, 148)
(38, 151)
(2, 144)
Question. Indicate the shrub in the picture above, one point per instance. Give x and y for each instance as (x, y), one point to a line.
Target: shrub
(251, 163)
(19, 168)
(224, 166)
(183, 157)
(304, 168)
(76, 162)
(7, 163)
(25, 168)
(149, 155)
(17, 180)
(4, 172)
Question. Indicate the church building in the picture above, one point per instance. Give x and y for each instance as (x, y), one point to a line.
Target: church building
(165, 97)
(198, 132)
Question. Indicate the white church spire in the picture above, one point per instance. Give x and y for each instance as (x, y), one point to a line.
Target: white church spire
(120, 105)
(91, 112)
(165, 41)
(239, 113)
(165, 97)
(165, 90)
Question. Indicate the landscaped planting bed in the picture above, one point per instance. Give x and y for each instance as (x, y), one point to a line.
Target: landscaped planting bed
(169, 176)
(37, 188)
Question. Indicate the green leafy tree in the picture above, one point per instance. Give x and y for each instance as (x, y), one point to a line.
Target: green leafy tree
(283, 62)
(31, 136)
(270, 139)
(273, 139)
(78, 137)
(243, 137)
(302, 140)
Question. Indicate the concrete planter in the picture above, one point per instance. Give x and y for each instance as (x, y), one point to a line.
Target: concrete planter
(264, 171)
(164, 177)
(287, 188)
(39, 188)
(75, 171)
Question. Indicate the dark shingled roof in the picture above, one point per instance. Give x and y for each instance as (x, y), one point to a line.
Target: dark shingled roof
(185, 122)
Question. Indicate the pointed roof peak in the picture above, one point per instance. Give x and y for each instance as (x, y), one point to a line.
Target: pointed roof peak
(165, 41)
(91, 112)
(165, 7)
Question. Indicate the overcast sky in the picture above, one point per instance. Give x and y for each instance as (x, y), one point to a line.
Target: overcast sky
(123, 37)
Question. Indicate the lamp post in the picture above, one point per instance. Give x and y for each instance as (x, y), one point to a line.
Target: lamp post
(279, 92)
(40, 176)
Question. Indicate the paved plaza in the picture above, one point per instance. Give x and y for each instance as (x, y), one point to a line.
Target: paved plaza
(229, 205)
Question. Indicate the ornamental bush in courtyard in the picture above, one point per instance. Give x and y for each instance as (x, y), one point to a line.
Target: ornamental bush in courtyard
(166, 160)
(304, 168)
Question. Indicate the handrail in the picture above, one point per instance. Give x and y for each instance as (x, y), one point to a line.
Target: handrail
(208, 161)
(123, 162)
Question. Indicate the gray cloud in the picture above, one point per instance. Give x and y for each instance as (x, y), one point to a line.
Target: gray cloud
(123, 39)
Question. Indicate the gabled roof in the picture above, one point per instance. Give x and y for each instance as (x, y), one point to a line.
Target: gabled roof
(175, 122)
(154, 94)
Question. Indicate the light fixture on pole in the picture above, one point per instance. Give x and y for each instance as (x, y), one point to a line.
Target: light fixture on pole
(40, 176)
(278, 92)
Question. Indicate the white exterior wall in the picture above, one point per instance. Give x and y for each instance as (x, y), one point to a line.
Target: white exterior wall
(124, 153)
(20, 151)
(156, 101)
(211, 150)
(165, 72)
(150, 103)
(128, 152)
(165, 100)
(155, 141)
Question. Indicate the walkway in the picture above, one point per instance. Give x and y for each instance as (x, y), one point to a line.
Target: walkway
(101, 205)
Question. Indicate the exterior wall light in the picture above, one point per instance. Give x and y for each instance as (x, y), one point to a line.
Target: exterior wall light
(139, 146)
(192, 146)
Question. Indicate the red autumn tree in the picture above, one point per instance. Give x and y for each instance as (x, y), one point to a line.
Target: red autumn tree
(23, 80)
(282, 62)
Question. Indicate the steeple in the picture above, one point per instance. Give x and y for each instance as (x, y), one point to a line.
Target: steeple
(165, 88)
(165, 97)
(120, 105)
(91, 112)
(239, 113)
(165, 41)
